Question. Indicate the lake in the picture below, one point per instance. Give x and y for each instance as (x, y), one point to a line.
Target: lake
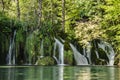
(59, 73)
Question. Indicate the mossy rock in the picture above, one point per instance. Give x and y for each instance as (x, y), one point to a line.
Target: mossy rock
(68, 57)
(103, 54)
(100, 61)
(66, 45)
(45, 61)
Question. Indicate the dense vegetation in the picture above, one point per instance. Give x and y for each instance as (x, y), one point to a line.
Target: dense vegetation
(78, 21)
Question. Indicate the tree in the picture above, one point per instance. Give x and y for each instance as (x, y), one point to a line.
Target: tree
(39, 12)
(3, 6)
(111, 22)
(18, 9)
(63, 14)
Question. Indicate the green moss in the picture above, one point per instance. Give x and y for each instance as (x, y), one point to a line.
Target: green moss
(68, 57)
(46, 61)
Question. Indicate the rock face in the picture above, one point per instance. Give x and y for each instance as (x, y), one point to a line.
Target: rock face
(117, 62)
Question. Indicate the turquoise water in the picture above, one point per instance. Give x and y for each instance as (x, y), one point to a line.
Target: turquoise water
(59, 73)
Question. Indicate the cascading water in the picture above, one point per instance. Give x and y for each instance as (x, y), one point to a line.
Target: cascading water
(41, 49)
(29, 48)
(88, 52)
(58, 54)
(109, 52)
(54, 56)
(80, 59)
(60, 46)
(97, 55)
(84, 51)
(11, 54)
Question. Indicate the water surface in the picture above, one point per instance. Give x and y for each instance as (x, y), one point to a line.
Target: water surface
(59, 73)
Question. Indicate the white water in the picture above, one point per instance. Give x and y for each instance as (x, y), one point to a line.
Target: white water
(109, 52)
(11, 55)
(84, 51)
(97, 54)
(60, 47)
(80, 59)
(61, 73)
(41, 52)
(31, 36)
(88, 51)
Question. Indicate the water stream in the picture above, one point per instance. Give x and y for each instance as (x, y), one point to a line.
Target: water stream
(109, 52)
(60, 47)
(11, 52)
(80, 59)
(42, 49)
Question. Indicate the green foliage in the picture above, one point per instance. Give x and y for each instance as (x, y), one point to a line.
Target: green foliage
(5, 23)
(46, 61)
(68, 57)
(48, 46)
(87, 31)
(111, 22)
(31, 46)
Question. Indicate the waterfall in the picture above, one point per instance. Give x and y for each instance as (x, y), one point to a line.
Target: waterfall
(97, 54)
(84, 51)
(109, 52)
(80, 59)
(30, 38)
(88, 52)
(41, 49)
(60, 47)
(11, 54)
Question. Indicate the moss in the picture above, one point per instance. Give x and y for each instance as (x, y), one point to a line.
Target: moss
(46, 61)
(100, 62)
(68, 57)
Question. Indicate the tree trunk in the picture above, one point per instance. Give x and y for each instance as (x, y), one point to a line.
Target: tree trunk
(18, 9)
(63, 15)
(39, 13)
(52, 12)
(3, 7)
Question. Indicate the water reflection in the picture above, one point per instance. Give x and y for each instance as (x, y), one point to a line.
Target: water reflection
(59, 73)
(83, 73)
(111, 73)
(11, 74)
